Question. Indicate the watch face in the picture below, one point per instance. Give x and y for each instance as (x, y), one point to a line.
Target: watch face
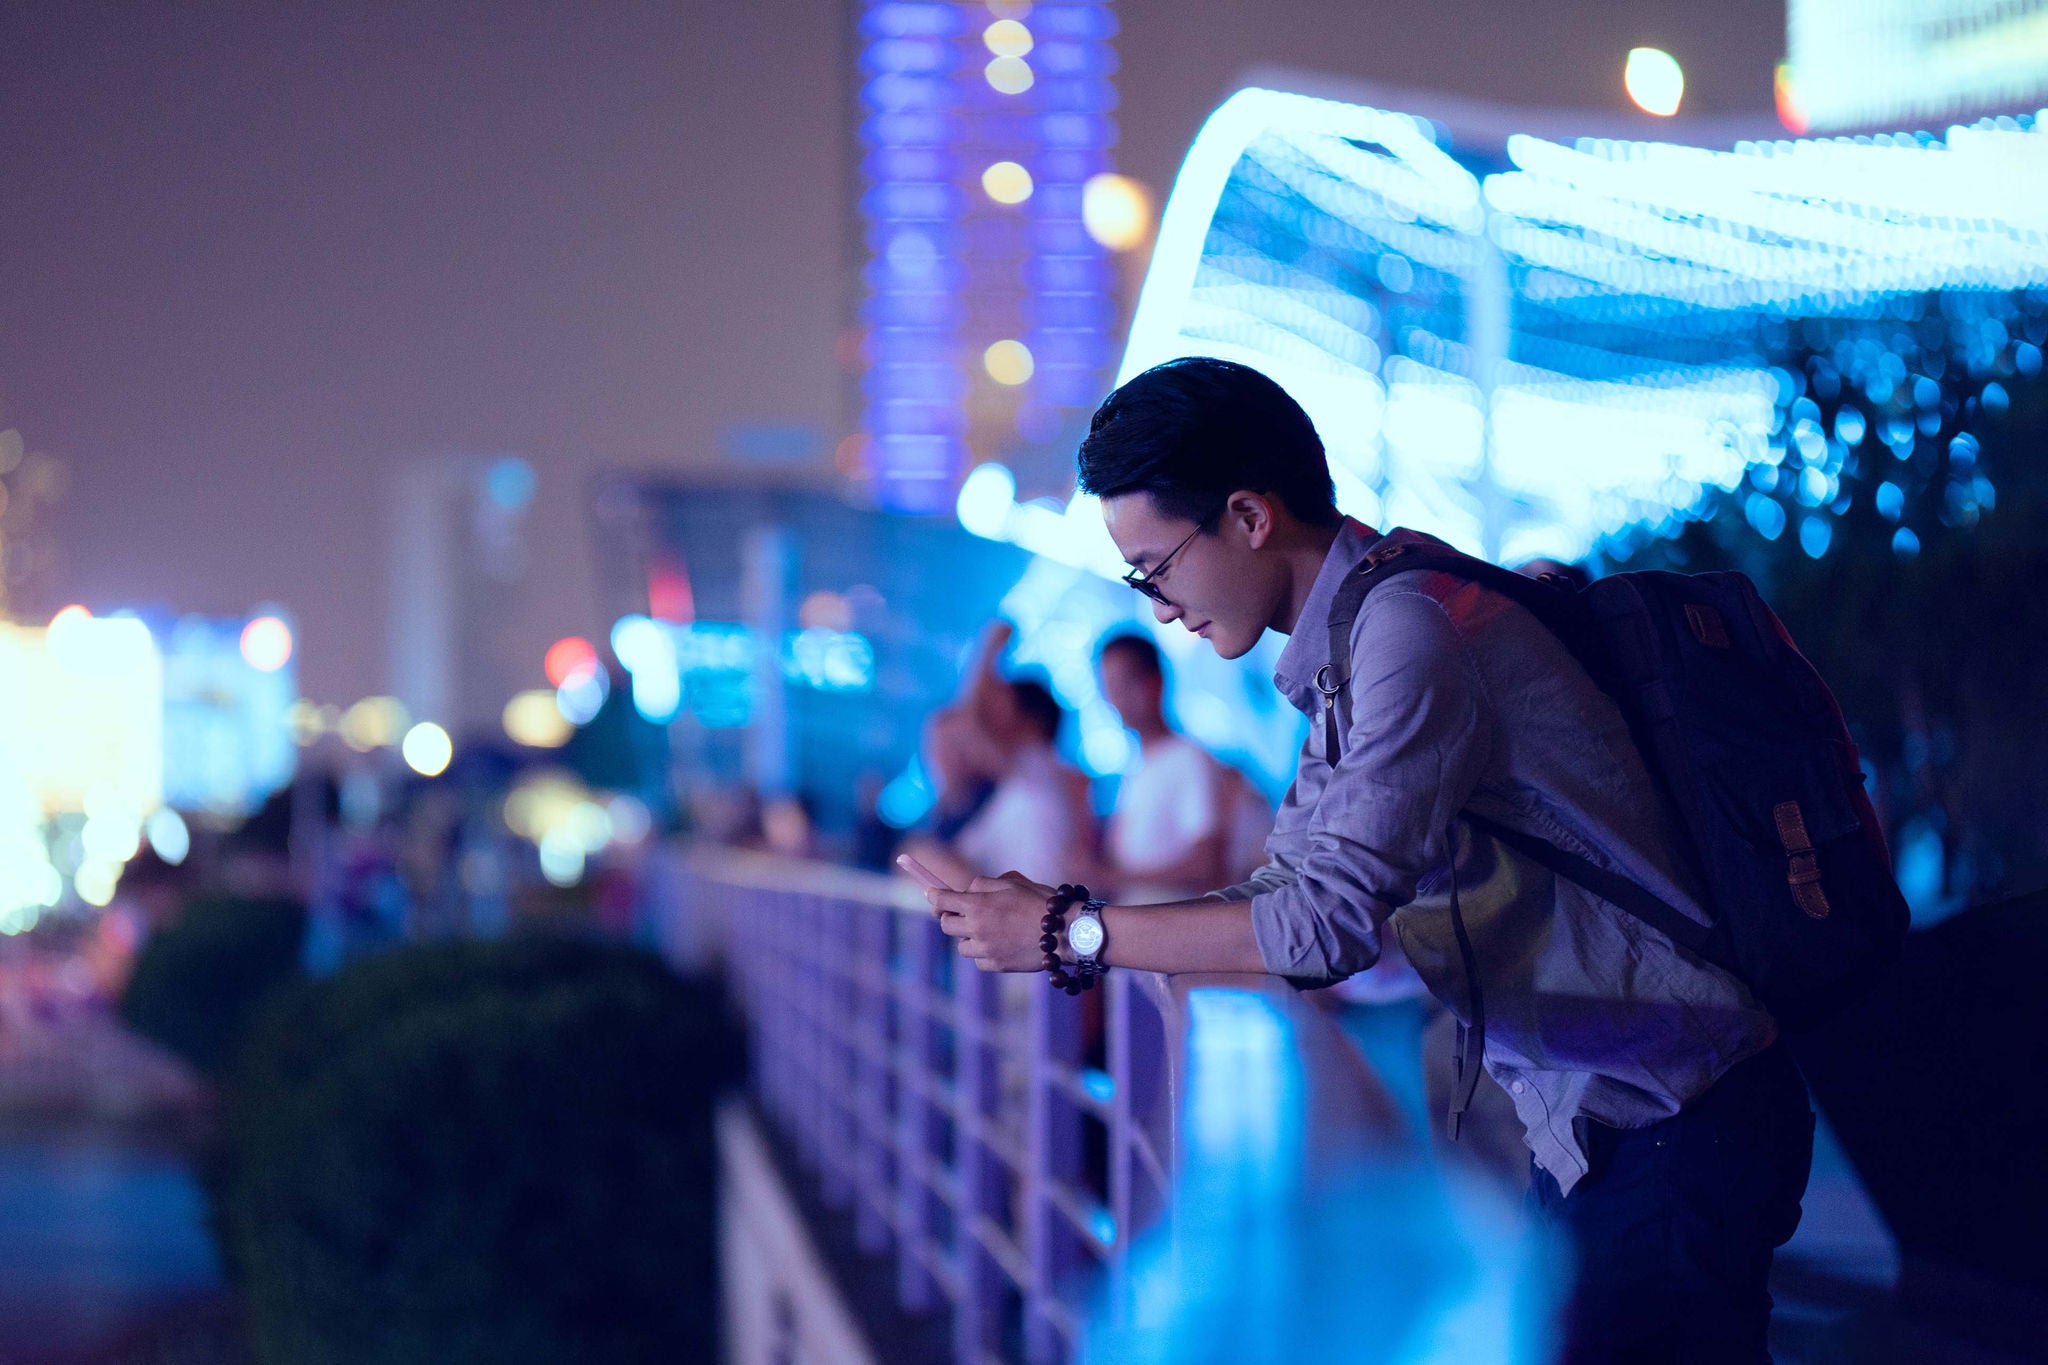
(1084, 936)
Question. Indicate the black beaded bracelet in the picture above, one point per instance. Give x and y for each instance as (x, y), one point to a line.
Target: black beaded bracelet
(1064, 898)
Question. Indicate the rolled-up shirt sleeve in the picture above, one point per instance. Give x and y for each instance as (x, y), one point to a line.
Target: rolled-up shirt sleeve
(1288, 842)
(1351, 842)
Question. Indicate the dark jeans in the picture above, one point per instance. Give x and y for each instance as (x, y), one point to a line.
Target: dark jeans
(1673, 1229)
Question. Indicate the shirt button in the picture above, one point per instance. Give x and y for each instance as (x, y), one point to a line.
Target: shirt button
(1519, 1086)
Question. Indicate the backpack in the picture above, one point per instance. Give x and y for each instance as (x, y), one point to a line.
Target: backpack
(1749, 751)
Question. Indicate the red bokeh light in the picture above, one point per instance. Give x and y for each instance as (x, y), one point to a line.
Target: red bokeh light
(572, 656)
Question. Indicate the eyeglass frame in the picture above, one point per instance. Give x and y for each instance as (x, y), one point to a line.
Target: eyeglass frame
(1146, 581)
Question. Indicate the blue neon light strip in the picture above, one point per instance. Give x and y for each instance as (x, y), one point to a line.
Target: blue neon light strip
(1529, 363)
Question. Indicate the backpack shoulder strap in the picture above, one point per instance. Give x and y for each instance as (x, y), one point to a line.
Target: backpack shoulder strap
(1382, 562)
(1611, 887)
(1333, 679)
(1545, 604)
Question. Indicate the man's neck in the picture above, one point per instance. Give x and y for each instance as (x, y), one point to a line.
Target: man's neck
(1304, 557)
(1153, 732)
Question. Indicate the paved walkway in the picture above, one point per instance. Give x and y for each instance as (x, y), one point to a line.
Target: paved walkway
(99, 1233)
(102, 1227)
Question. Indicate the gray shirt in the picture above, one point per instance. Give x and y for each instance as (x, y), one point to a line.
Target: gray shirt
(1460, 699)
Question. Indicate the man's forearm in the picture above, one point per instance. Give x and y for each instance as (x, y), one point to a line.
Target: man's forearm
(1185, 936)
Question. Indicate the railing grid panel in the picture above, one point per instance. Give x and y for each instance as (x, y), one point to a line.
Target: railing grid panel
(882, 1058)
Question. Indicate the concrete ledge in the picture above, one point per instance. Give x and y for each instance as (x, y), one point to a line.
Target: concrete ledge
(781, 1303)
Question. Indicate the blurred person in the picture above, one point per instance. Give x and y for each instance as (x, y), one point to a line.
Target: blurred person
(256, 856)
(1669, 1132)
(1185, 820)
(787, 828)
(964, 762)
(1001, 782)
(1038, 816)
(962, 759)
(725, 813)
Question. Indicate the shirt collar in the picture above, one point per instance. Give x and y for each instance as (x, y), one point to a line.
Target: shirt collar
(1308, 648)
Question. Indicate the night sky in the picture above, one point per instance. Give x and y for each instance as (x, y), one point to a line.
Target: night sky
(256, 255)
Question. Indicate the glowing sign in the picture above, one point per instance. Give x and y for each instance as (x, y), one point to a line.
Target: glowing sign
(829, 660)
(709, 666)
(228, 691)
(1855, 64)
(82, 713)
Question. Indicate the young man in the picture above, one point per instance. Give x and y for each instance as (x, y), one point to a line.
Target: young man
(1185, 820)
(1669, 1133)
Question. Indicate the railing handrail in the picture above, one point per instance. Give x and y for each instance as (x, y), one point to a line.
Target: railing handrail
(763, 871)
(892, 1067)
(1349, 1107)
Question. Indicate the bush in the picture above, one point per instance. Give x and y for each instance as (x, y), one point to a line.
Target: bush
(478, 1153)
(199, 980)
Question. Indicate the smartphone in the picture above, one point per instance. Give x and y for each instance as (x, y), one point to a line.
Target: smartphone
(921, 872)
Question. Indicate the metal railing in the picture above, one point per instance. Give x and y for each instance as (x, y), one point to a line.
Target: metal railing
(1000, 1142)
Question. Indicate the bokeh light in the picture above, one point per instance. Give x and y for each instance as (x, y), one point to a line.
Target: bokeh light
(427, 750)
(631, 821)
(567, 658)
(169, 837)
(267, 644)
(95, 883)
(374, 723)
(1008, 362)
(561, 857)
(1007, 38)
(583, 695)
(306, 722)
(986, 497)
(112, 833)
(532, 719)
(1006, 182)
(1117, 211)
(1009, 75)
(1654, 80)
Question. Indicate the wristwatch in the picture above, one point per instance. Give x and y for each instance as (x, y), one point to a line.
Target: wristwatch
(1086, 936)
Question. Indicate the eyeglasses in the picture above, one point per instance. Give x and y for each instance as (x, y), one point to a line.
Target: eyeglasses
(1147, 583)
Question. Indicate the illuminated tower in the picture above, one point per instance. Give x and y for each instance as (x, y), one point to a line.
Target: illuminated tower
(989, 308)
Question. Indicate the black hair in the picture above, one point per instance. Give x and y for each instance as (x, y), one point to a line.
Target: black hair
(1193, 431)
(1040, 709)
(1138, 649)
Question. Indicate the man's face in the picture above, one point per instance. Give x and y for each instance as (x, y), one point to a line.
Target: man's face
(1218, 585)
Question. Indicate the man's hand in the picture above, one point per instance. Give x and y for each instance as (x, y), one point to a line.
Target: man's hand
(995, 921)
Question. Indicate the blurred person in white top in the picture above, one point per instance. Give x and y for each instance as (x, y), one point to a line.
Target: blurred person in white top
(1006, 800)
(1184, 819)
(1038, 817)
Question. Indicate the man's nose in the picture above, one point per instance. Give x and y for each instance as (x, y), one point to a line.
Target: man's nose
(1166, 613)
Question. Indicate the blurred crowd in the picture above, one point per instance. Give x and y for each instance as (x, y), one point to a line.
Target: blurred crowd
(1183, 821)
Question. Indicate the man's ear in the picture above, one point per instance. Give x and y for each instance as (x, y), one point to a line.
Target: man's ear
(1253, 514)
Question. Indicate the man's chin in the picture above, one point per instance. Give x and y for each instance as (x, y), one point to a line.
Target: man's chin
(1227, 648)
